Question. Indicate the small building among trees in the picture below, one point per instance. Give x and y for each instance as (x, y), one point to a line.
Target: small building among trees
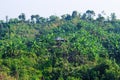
(59, 40)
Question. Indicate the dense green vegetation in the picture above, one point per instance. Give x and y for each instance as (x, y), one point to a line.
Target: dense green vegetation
(73, 47)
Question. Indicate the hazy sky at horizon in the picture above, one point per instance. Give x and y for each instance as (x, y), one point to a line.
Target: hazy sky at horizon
(45, 8)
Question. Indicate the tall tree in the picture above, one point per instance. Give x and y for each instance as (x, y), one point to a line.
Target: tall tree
(100, 18)
(74, 14)
(113, 17)
(90, 14)
(66, 17)
(83, 16)
(32, 18)
(22, 17)
(37, 17)
(6, 19)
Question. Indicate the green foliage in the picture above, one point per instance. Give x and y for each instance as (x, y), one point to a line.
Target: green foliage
(73, 47)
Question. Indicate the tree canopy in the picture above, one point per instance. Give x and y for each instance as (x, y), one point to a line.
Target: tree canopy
(71, 47)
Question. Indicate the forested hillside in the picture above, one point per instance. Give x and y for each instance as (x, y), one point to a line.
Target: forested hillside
(71, 47)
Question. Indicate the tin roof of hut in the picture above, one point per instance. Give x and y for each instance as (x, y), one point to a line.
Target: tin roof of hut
(59, 39)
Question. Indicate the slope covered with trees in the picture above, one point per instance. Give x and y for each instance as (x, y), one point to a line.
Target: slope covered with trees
(73, 47)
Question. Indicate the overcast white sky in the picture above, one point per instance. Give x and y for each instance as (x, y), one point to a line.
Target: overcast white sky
(45, 8)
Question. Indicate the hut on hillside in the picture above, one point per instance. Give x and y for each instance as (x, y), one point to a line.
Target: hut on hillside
(59, 40)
